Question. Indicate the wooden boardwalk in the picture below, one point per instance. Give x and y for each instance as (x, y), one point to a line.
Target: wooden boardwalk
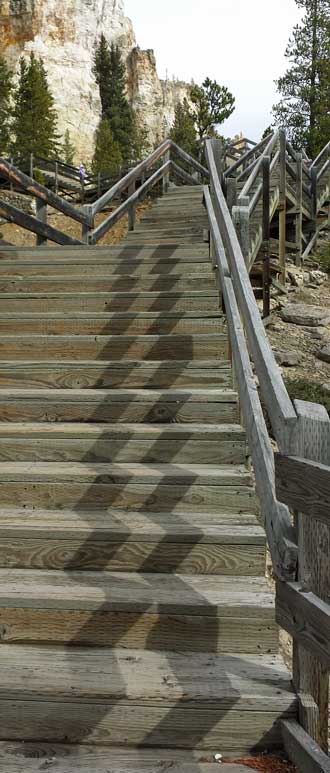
(137, 629)
(134, 609)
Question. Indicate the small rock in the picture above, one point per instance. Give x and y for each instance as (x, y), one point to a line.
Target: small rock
(296, 276)
(303, 314)
(288, 358)
(324, 354)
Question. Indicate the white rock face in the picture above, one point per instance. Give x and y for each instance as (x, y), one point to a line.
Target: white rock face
(64, 34)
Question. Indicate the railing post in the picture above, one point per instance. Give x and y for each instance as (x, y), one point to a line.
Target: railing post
(86, 229)
(31, 165)
(11, 187)
(166, 178)
(282, 205)
(131, 211)
(314, 174)
(241, 218)
(266, 235)
(299, 199)
(41, 214)
(231, 193)
(311, 440)
(99, 189)
(56, 176)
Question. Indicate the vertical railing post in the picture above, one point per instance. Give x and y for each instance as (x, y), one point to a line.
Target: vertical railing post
(99, 189)
(241, 218)
(56, 176)
(314, 173)
(166, 178)
(299, 201)
(131, 211)
(11, 182)
(311, 440)
(86, 229)
(282, 205)
(41, 214)
(31, 165)
(266, 235)
(231, 193)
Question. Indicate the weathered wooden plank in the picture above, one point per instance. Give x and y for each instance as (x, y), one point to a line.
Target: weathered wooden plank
(306, 617)
(107, 347)
(302, 750)
(112, 374)
(86, 324)
(21, 758)
(124, 284)
(304, 485)
(31, 223)
(109, 302)
(163, 558)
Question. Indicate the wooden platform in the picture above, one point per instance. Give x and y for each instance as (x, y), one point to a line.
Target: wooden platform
(137, 629)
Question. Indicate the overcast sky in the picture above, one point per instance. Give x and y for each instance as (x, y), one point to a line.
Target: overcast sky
(240, 44)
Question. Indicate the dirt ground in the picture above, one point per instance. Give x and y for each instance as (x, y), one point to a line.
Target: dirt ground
(21, 238)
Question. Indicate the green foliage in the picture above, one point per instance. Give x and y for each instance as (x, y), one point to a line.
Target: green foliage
(35, 120)
(183, 131)
(310, 391)
(305, 87)
(68, 149)
(213, 105)
(110, 74)
(107, 155)
(140, 142)
(6, 87)
(268, 131)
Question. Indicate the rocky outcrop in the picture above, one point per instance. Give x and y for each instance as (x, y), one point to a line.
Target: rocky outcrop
(64, 34)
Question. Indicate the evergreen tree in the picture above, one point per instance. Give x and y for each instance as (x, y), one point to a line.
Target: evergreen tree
(110, 74)
(68, 149)
(6, 86)
(140, 142)
(107, 155)
(183, 131)
(213, 105)
(305, 87)
(35, 120)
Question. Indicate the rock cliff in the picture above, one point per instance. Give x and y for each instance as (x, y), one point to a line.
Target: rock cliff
(64, 33)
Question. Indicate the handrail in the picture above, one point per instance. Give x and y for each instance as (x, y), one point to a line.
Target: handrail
(122, 210)
(324, 169)
(130, 178)
(258, 193)
(320, 155)
(44, 194)
(134, 174)
(246, 156)
(253, 176)
(279, 405)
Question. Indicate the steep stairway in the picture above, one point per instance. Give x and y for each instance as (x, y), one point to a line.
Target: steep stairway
(136, 624)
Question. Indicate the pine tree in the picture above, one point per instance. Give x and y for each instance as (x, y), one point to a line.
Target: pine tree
(183, 131)
(6, 87)
(110, 74)
(107, 155)
(305, 87)
(68, 149)
(35, 120)
(213, 105)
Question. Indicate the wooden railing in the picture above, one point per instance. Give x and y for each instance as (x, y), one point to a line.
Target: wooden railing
(300, 553)
(273, 179)
(133, 187)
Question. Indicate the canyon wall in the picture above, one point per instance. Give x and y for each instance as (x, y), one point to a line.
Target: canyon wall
(64, 34)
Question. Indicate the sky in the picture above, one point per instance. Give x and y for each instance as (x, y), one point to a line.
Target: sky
(238, 43)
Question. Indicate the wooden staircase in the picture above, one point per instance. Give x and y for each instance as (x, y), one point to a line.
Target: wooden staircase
(134, 611)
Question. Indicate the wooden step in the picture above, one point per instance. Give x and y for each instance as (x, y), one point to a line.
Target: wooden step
(147, 443)
(151, 699)
(207, 300)
(131, 323)
(107, 347)
(180, 488)
(94, 374)
(196, 613)
(18, 757)
(175, 238)
(89, 253)
(153, 406)
(81, 267)
(114, 541)
(120, 283)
